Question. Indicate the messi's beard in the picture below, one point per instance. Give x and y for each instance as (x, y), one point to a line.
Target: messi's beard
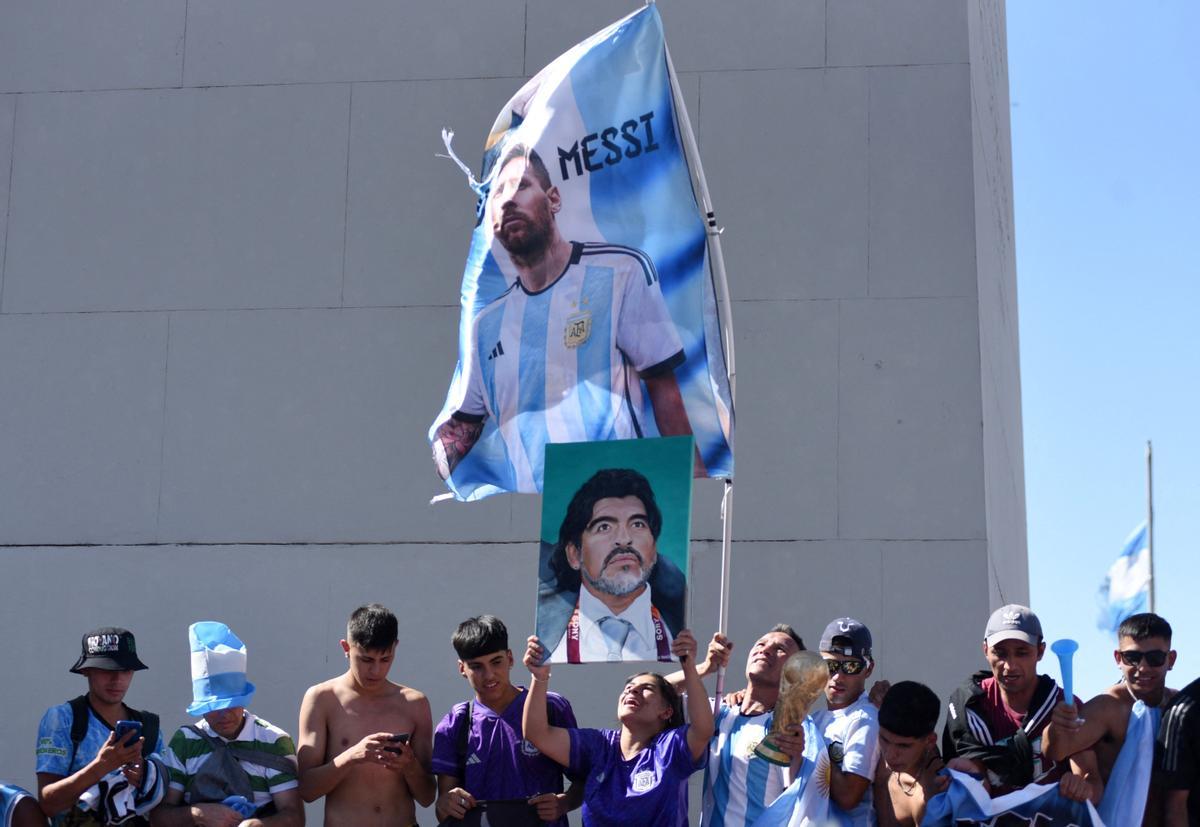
(621, 583)
(530, 240)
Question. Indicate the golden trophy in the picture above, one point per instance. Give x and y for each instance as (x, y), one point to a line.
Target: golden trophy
(804, 677)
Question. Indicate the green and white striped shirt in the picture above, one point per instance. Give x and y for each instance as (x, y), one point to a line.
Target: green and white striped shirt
(188, 751)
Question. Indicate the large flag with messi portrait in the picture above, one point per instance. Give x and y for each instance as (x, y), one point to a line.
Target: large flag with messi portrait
(588, 303)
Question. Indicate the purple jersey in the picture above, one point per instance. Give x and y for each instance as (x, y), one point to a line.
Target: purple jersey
(499, 763)
(650, 788)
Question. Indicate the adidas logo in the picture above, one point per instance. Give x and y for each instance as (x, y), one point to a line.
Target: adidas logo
(473, 759)
(498, 350)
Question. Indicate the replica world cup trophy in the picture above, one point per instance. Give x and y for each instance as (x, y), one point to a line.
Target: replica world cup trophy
(804, 677)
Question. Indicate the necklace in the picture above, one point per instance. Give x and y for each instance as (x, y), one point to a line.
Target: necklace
(916, 778)
(1162, 704)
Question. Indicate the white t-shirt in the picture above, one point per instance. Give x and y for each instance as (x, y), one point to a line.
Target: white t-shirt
(853, 737)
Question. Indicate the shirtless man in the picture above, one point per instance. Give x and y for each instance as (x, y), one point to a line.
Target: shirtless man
(1144, 656)
(352, 748)
(907, 776)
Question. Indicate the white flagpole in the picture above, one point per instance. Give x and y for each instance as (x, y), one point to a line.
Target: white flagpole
(1150, 516)
(717, 261)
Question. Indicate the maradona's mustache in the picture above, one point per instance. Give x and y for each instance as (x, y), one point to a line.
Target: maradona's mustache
(619, 550)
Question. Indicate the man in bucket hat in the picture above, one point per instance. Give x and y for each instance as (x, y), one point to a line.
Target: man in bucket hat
(77, 744)
(232, 767)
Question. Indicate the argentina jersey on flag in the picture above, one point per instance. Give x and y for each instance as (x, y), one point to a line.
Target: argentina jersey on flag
(588, 305)
(558, 344)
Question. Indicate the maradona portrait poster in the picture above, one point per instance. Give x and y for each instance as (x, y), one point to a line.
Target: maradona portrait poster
(588, 310)
(612, 574)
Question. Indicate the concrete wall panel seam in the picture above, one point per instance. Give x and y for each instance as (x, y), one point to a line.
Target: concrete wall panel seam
(12, 158)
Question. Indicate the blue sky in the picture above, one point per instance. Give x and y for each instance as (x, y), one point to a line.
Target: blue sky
(1105, 128)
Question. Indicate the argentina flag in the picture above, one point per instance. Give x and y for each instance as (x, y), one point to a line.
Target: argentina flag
(805, 803)
(1128, 785)
(967, 801)
(1126, 589)
(588, 302)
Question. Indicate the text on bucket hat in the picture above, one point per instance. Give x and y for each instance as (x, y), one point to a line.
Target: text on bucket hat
(110, 648)
(218, 668)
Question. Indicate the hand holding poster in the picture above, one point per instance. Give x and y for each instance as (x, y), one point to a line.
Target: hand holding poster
(612, 578)
(588, 311)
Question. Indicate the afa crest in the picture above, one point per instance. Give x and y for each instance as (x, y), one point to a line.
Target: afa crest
(578, 329)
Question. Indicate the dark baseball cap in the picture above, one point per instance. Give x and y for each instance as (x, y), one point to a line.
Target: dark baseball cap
(1013, 622)
(853, 638)
(111, 648)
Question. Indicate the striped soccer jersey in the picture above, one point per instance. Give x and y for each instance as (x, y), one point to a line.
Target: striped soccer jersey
(563, 364)
(188, 751)
(738, 785)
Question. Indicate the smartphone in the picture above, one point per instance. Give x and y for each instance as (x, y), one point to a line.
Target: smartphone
(398, 738)
(123, 729)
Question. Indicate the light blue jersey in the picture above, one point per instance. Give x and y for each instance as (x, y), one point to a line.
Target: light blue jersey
(10, 797)
(54, 741)
(738, 785)
(564, 364)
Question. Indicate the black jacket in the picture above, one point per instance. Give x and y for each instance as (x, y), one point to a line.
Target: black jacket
(966, 732)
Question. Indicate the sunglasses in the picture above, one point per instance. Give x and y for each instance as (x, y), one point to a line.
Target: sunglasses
(1154, 658)
(846, 667)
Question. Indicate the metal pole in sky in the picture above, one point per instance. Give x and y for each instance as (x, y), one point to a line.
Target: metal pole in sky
(724, 312)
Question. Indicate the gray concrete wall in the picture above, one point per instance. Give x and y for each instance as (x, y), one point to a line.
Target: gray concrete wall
(228, 307)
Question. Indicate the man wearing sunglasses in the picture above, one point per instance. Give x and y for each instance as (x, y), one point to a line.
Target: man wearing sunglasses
(850, 722)
(1144, 656)
(996, 721)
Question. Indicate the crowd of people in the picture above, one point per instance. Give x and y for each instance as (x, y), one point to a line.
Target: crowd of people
(515, 755)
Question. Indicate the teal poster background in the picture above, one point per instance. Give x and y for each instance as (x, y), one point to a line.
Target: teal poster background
(665, 462)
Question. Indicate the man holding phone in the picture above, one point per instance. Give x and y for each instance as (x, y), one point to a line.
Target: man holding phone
(479, 752)
(231, 768)
(348, 751)
(78, 742)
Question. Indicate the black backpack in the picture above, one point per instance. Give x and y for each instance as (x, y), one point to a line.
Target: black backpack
(79, 727)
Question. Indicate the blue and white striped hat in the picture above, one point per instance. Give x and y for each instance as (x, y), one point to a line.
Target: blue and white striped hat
(218, 668)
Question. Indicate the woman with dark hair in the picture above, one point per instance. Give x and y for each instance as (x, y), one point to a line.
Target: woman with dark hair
(636, 775)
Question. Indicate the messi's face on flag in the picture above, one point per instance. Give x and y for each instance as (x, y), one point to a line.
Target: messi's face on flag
(523, 204)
